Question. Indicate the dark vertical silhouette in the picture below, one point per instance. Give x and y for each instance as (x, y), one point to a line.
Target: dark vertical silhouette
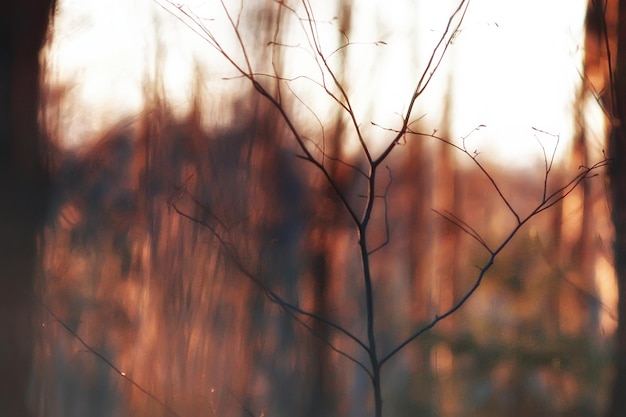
(24, 189)
(605, 64)
(617, 177)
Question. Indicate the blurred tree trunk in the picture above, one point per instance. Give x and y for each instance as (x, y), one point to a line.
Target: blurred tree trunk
(582, 255)
(23, 187)
(323, 248)
(617, 177)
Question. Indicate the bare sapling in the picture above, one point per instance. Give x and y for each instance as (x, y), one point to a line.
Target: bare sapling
(372, 164)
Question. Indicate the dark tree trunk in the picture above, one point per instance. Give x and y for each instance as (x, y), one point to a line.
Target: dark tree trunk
(617, 151)
(617, 406)
(23, 190)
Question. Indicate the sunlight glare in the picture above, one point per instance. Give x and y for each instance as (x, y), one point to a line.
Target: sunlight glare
(513, 66)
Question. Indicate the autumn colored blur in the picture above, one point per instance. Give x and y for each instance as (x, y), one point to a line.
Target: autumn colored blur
(157, 224)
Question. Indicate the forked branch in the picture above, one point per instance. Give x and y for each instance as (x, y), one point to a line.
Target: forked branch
(553, 198)
(361, 214)
(291, 309)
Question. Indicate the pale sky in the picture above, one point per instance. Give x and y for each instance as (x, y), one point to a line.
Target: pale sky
(513, 66)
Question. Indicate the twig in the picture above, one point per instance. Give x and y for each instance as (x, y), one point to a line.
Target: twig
(272, 295)
(110, 364)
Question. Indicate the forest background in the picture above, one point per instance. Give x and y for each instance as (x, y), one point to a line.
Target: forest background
(145, 310)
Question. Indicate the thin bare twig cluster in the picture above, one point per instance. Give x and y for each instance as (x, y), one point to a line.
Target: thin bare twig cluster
(361, 214)
(276, 89)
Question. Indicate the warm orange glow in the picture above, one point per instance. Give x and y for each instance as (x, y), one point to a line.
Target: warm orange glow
(189, 227)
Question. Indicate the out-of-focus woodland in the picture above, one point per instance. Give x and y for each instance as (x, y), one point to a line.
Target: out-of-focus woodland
(143, 311)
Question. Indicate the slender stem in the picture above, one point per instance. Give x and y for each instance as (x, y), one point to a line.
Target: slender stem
(369, 290)
(369, 298)
(378, 396)
(371, 334)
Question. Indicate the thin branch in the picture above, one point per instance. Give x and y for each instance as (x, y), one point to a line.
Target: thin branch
(110, 364)
(385, 215)
(291, 311)
(346, 99)
(450, 311)
(604, 32)
(235, 26)
(354, 167)
(348, 44)
(464, 226)
(553, 199)
(474, 158)
(316, 55)
(431, 68)
(562, 192)
(548, 164)
(269, 293)
(597, 95)
(246, 409)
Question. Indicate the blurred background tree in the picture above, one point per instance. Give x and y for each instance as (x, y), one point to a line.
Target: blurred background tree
(605, 67)
(24, 186)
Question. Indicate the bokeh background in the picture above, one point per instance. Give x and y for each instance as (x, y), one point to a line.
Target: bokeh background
(148, 313)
